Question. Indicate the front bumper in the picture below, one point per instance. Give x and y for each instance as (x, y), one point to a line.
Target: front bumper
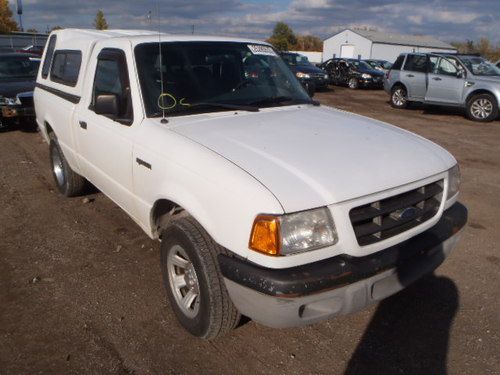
(339, 285)
(370, 82)
(13, 111)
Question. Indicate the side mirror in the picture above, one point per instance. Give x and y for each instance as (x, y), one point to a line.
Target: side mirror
(460, 73)
(107, 105)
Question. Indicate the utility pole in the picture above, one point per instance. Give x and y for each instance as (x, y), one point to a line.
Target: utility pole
(20, 13)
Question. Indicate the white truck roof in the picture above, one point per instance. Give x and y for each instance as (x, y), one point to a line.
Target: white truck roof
(83, 38)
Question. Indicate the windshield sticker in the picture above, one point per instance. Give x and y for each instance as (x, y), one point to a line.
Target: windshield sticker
(258, 49)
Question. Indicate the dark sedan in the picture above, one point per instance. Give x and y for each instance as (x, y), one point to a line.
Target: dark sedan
(311, 77)
(17, 81)
(353, 73)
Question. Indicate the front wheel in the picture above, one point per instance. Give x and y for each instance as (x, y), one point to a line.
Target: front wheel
(482, 108)
(399, 97)
(193, 281)
(353, 83)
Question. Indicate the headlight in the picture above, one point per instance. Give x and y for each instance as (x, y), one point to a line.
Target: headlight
(302, 75)
(326, 76)
(12, 101)
(293, 233)
(453, 181)
(366, 76)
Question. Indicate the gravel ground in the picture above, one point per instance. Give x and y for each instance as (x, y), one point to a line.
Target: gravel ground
(81, 289)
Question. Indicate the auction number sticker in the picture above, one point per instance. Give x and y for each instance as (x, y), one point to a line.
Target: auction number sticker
(258, 49)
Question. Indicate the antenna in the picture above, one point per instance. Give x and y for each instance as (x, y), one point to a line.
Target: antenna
(162, 95)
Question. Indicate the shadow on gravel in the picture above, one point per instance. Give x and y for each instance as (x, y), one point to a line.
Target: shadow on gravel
(409, 332)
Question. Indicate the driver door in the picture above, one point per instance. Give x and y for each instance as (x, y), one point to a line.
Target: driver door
(446, 81)
(105, 142)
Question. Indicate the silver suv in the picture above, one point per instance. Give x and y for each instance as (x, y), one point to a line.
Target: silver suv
(467, 81)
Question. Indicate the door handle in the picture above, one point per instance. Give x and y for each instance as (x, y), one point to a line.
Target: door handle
(410, 75)
(83, 125)
(143, 163)
(437, 79)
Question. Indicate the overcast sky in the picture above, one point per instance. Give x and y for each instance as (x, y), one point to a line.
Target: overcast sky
(449, 20)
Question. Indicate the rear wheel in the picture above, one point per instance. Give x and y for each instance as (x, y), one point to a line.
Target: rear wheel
(68, 182)
(482, 108)
(193, 281)
(399, 97)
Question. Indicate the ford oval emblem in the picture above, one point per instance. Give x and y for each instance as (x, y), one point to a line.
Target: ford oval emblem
(408, 213)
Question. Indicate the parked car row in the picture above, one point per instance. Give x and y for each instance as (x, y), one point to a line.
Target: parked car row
(17, 81)
(467, 81)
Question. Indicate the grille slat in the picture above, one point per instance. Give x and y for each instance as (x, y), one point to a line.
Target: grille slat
(388, 217)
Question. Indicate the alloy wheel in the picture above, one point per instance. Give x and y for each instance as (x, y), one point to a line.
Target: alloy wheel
(183, 281)
(481, 108)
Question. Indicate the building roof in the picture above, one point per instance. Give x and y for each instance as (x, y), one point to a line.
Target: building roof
(401, 39)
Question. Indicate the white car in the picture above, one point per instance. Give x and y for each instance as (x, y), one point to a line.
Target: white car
(267, 204)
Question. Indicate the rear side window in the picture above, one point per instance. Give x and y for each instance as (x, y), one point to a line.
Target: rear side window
(416, 63)
(48, 56)
(399, 63)
(66, 67)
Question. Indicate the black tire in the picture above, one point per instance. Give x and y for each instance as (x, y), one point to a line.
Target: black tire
(399, 97)
(68, 182)
(482, 108)
(353, 83)
(216, 314)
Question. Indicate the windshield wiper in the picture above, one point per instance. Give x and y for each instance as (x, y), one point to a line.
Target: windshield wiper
(186, 107)
(237, 107)
(281, 99)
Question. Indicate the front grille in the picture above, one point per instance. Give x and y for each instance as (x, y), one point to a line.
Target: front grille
(388, 217)
(319, 75)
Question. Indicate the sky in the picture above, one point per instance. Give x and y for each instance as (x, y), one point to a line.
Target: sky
(448, 20)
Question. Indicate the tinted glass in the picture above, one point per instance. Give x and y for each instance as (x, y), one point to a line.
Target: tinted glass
(399, 63)
(416, 63)
(48, 56)
(66, 67)
(295, 59)
(12, 67)
(111, 77)
(228, 73)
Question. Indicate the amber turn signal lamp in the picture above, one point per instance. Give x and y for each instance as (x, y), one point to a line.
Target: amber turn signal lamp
(265, 235)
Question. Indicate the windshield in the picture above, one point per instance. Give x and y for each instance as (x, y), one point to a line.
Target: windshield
(360, 64)
(18, 67)
(295, 59)
(208, 76)
(479, 66)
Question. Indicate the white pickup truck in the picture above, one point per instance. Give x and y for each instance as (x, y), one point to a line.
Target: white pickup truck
(266, 203)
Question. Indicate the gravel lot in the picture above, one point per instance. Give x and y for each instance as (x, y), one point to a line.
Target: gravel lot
(81, 290)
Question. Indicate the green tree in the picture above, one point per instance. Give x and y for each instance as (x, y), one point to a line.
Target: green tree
(100, 21)
(7, 23)
(283, 38)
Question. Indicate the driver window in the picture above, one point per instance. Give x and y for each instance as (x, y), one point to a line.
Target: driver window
(111, 77)
(446, 67)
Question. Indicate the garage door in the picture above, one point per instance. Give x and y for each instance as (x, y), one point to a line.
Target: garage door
(347, 51)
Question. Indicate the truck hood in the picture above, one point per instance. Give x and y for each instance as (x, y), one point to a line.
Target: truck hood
(315, 156)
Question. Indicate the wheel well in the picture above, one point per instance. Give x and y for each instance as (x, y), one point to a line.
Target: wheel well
(48, 129)
(162, 213)
(479, 92)
(398, 84)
